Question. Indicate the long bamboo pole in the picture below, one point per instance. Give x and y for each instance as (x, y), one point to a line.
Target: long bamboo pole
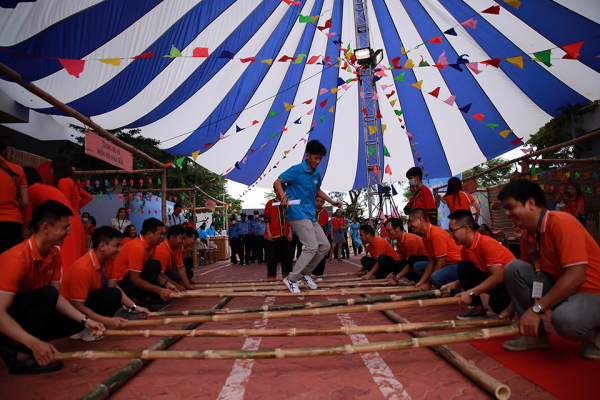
(297, 313)
(115, 172)
(283, 287)
(325, 292)
(297, 332)
(277, 282)
(118, 379)
(300, 306)
(485, 381)
(15, 77)
(154, 190)
(566, 161)
(270, 280)
(300, 352)
(163, 188)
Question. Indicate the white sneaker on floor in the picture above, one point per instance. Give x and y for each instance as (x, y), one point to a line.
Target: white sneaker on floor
(86, 335)
(319, 279)
(293, 287)
(309, 281)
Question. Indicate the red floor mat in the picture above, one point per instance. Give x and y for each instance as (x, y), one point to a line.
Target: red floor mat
(560, 371)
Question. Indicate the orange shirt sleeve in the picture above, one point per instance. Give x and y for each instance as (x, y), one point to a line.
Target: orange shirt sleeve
(439, 244)
(569, 241)
(162, 254)
(57, 265)
(85, 197)
(21, 180)
(112, 273)
(137, 256)
(179, 258)
(13, 270)
(80, 281)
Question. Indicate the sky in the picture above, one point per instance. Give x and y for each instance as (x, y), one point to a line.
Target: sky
(255, 197)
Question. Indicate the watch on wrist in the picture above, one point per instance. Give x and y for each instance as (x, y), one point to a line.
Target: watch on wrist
(133, 307)
(537, 309)
(84, 320)
(470, 292)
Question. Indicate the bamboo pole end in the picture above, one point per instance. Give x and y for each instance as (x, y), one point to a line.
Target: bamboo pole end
(502, 392)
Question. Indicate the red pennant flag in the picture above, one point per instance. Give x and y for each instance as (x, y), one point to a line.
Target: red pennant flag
(73, 67)
(573, 49)
(290, 2)
(145, 55)
(436, 39)
(395, 62)
(327, 25)
(200, 52)
(516, 143)
(323, 103)
(436, 92)
(494, 63)
(142, 212)
(391, 94)
(207, 144)
(168, 164)
(255, 122)
(313, 60)
(379, 114)
(364, 110)
(492, 10)
(375, 169)
(308, 101)
(478, 116)
(249, 59)
(286, 58)
(388, 170)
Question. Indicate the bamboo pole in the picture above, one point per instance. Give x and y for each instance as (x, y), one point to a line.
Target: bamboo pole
(466, 367)
(115, 172)
(299, 352)
(105, 389)
(565, 161)
(134, 190)
(297, 332)
(209, 196)
(300, 306)
(277, 282)
(283, 287)
(296, 313)
(325, 292)
(163, 188)
(194, 219)
(15, 77)
(271, 280)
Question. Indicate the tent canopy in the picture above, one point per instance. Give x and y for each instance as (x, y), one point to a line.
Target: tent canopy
(242, 85)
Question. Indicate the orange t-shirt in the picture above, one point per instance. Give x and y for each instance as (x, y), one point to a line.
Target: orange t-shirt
(574, 203)
(125, 241)
(438, 243)
(410, 244)
(169, 258)
(85, 276)
(18, 271)
(338, 223)
(460, 201)
(564, 243)
(133, 256)
(486, 252)
(10, 210)
(39, 193)
(275, 220)
(381, 246)
(76, 196)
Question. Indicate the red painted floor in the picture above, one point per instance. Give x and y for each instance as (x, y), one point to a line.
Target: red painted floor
(407, 374)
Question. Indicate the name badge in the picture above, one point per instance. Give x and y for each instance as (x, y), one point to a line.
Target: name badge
(537, 290)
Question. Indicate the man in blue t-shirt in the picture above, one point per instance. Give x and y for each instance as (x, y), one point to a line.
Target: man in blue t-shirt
(303, 182)
(258, 234)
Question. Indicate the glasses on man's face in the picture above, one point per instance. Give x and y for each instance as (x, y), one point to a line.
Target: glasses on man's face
(412, 221)
(65, 228)
(455, 229)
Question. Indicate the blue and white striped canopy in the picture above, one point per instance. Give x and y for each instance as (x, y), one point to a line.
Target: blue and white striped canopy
(248, 82)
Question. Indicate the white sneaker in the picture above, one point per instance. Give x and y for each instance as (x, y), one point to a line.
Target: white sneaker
(293, 287)
(308, 280)
(319, 279)
(86, 335)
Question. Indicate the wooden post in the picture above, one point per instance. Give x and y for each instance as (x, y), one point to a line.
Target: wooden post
(194, 218)
(163, 188)
(525, 169)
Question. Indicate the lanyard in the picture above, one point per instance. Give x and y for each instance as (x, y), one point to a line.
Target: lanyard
(37, 269)
(147, 249)
(104, 277)
(538, 239)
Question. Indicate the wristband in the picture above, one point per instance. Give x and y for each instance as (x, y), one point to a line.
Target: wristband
(164, 285)
(83, 320)
(133, 307)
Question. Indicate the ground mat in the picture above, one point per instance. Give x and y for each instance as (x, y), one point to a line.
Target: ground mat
(560, 371)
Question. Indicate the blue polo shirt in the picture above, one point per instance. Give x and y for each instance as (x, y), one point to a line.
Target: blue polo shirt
(301, 185)
(201, 234)
(243, 227)
(232, 231)
(211, 231)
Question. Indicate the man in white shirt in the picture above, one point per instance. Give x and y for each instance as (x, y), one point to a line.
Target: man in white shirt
(177, 217)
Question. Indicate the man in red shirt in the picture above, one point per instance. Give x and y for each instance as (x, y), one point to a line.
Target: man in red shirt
(560, 271)
(278, 235)
(91, 286)
(410, 249)
(322, 217)
(442, 252)
(482, 268)
(422, 197)
(170, 255)
(13, 198)
(382, 255)
(32, 310)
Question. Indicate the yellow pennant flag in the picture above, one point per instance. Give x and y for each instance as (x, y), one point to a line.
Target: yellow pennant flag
(349, 54)
(195, 154)
(383, 128)
(331, 109)
(515, 3)
(504, 133)
(418, 84)
(518, 61)
(269, 61)
(262, 146)
(285, 152)
(349, 69)
(402, 50)
(314, 19)
(568, 174)
(409, 64)
(334, 90)
(393, 102)
(542, 186)
(288, 106)
(111, 61)
(372, 130)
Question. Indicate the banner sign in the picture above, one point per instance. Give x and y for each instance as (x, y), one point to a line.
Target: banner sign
(210, 204)
(102, 149)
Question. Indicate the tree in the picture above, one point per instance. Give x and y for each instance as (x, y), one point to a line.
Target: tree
(497, 177)
(270, 195)
(187, 175)
(356, 209)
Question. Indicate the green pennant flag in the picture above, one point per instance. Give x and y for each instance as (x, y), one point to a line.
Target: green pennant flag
(486, 205)
(371, 151)
(322, 118)
(588, 190)
(348, 80)
(137, 199)
(136, 210)
(272, 114)
(424, 64)
(400, 77)
(174, 52)
(159, 181)
(180, 161)
(220, 176)
(398, 112)
(544, 56)
(273, 135)
(100, 197)
(299, 58)
(386, 152)
(493, 126)
(419, 45)
(304, 19)
(348, 48)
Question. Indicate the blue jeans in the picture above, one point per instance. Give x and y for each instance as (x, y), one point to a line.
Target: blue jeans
(440, 277)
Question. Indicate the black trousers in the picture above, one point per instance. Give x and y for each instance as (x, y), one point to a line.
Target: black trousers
(399, 265)
(234, 247)
(385, 265)
(258, 252)
(188, 262)
(470, 276)
(244, 248)
(11, 234)
(345, 248)
(150, 273)
(173, 274)
(278, 251)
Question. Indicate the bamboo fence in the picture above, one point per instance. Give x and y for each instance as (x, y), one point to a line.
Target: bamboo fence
(329, 292)
(413, 343)
(297, 332)
(299, 306)
(296, 313)
(271, 280)
(283, 287)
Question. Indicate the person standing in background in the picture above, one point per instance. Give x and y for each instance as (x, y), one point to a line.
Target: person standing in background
(13, 199)
(243, 230)
(120, 222)
(259, 238)
(322, 217)
(355, 235)
(233, 240)
(177, 217)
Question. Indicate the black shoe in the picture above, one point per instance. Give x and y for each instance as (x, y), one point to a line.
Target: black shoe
(30, 366)
(233, 262)
(8, 352)
(242, 263)
(250, 262)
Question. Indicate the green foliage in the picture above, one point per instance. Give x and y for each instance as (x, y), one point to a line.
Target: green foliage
(268, 196)
(497, 177)
(563, 128)
(187, 175)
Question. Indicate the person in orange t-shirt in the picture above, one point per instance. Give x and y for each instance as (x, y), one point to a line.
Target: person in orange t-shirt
(577, 203)
(279, 239)
(13, 199)
(568, 271)
(422, 197)
(381, 255)
(456, 199)
(481, 270)
(129, 234)
(170, 255)
(442, 253)
(410, 249)
(91, 286)
(32, 310)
